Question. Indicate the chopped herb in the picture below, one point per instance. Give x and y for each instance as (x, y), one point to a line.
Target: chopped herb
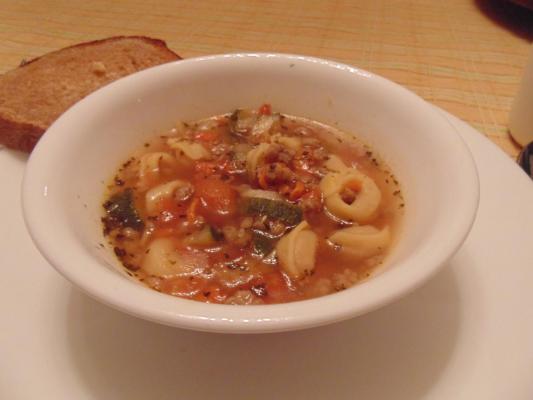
(119, 252)
(121, 212)
(131, 267)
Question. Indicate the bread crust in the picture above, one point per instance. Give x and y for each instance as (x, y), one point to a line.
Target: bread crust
(24, 135)
(154, 42)
(19, 136)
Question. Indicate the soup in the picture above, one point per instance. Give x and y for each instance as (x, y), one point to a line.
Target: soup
(252, 207)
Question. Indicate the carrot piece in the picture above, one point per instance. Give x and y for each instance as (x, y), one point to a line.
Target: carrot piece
(261, 178)
(298, 191)
(206, 136)
(285, 189)
(265, 109)
(192, 210)
(218, 200)
(356, 186)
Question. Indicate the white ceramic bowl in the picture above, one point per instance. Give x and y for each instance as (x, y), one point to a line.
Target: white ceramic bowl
(64, 182)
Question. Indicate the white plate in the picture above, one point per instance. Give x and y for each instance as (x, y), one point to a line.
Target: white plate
(467, 334)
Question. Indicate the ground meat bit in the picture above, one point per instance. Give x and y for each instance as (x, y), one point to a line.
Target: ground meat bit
(243, 297)
(247, 222)
(319, 154)
(183, 193)
(238, 236)
(278, 173)
(303, 131)
(220, 149)
(236, 167)
(311, 202)
(131, 234)
(310, 141)
(345, 279)
(320, 287)
(153, 281)
(230, 233)
(285, 156)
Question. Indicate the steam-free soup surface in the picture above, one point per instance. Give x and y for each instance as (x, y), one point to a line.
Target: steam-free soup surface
(252, 207)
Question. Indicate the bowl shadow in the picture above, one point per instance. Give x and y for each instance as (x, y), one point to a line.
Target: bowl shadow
(509, 15)
(396, 352)
(19, 156)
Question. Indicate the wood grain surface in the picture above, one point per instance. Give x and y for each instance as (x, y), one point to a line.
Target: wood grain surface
(465, 56)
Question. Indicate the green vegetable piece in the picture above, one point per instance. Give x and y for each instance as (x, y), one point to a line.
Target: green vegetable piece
(242, 121)
(200, 238)
(121, 211)
(262, 244)
(281, 210)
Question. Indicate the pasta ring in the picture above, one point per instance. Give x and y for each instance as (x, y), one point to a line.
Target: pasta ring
(365, 204)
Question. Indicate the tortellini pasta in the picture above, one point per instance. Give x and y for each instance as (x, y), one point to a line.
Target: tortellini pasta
(365, 203)
(361, 241)
(296, 251)
(191, 150)
(155, 196)
(151, 166)
(335, 164)
(163, 260)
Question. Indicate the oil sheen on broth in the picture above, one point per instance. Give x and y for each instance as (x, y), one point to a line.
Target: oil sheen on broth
(252, 207)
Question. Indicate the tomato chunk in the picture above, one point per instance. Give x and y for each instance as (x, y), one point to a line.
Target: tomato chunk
(265, 109)
(218, 200)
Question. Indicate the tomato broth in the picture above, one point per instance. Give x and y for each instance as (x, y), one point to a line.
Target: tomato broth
(252, 207)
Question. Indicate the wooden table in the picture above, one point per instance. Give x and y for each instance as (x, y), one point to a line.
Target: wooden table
(465, 56)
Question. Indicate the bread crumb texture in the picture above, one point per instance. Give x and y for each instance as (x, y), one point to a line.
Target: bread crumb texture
(35, 94)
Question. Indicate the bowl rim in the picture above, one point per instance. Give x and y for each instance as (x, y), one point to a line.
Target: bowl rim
(132, 298)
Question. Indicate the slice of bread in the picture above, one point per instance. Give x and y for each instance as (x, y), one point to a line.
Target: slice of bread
(36, 93)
